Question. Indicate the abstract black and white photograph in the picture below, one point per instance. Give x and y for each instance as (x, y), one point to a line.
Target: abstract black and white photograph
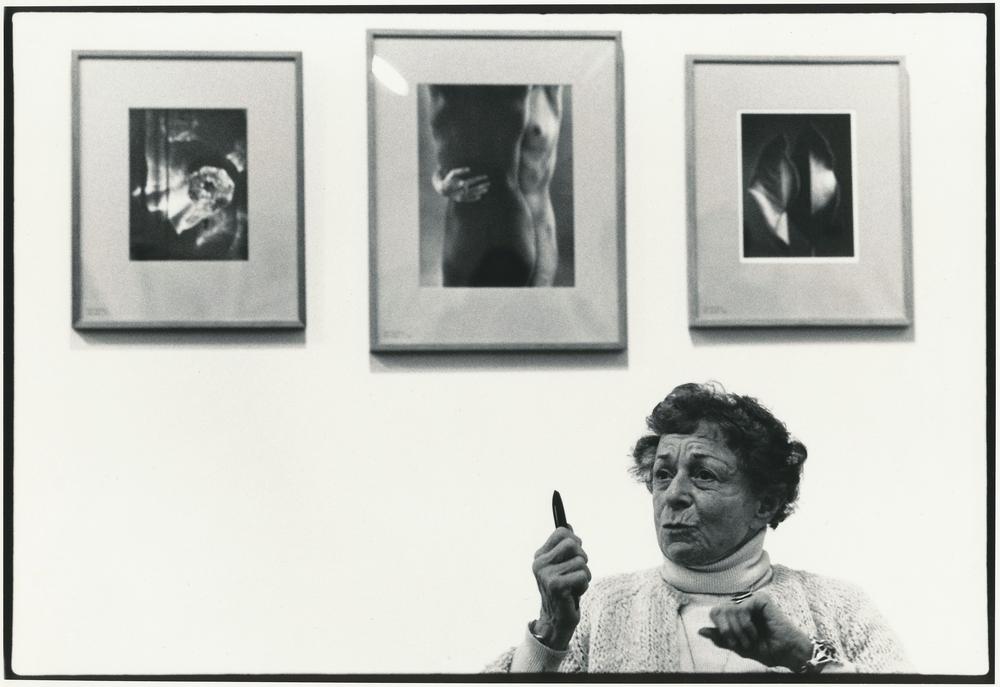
(171, 229)
(496, 185)
(799, 191)
(797, 199)
(188, 184)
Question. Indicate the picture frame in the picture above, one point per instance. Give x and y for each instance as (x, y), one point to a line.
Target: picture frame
(530, 254)
(188, 205)
(798, 192)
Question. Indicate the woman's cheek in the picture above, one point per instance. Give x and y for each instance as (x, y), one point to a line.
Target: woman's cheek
(659, 503)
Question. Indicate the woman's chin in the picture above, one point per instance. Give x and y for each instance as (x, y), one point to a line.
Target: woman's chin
(684, 553)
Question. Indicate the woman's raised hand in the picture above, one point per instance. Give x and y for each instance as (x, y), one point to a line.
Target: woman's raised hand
(461, 185)
(561, 572)
(757, 629)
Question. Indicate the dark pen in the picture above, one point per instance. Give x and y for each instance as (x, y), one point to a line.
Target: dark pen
(558, 512)
(559, 516)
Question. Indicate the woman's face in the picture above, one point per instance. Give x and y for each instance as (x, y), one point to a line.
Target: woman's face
(702, 504)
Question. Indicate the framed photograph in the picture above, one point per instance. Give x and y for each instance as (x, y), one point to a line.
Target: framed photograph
(187, 190)
(496, 191)
(798, 192)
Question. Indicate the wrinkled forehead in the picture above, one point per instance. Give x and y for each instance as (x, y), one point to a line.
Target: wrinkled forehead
(706, 440)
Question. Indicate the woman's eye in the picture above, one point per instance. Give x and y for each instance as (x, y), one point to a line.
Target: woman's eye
(704, 475)
(663, 473)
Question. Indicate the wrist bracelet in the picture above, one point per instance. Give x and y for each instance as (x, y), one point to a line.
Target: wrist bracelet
(538, 635)
(823, 652)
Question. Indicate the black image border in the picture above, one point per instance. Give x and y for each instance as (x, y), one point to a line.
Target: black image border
(987, 10)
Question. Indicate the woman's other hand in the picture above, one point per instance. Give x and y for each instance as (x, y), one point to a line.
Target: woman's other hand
(561, 572)
(757, 629)
(461, 185)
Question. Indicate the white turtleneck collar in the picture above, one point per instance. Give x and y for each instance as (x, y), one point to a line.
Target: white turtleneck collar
(746, 568)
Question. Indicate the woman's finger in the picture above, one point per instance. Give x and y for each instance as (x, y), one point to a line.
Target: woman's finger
(713, 634)
(572, 565)
(557, 536)
(563, 551)
(745, 620)
(568, 583)
(743, 642)
(758, 604)
(576, 583)
(721, 620)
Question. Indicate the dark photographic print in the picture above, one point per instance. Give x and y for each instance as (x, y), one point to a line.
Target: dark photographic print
(188, 184)
(496, 185)
(797, 185)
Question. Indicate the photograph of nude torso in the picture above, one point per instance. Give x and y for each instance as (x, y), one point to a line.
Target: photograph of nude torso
(494, 154)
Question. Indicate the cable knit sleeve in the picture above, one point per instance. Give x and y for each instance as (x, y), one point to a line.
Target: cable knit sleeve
(531, 656)
(845, 614)
(574, 660)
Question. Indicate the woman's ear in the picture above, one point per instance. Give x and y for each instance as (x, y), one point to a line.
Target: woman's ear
(767, 508)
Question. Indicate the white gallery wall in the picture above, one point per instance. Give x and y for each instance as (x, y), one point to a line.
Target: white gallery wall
(233, 502)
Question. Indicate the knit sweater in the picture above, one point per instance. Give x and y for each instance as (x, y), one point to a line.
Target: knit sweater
(630, 623)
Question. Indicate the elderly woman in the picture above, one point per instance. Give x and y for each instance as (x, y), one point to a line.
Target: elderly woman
(721, 469)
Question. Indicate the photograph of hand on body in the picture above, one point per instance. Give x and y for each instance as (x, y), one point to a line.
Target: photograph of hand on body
(496, 187)
(720, 470)
(497, 176)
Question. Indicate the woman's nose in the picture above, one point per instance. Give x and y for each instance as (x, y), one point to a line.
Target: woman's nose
(678, 493)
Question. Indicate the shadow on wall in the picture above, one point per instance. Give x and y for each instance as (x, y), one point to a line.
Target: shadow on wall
(198, 338)
(727, 336)
(462, 361)
(487, 360)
